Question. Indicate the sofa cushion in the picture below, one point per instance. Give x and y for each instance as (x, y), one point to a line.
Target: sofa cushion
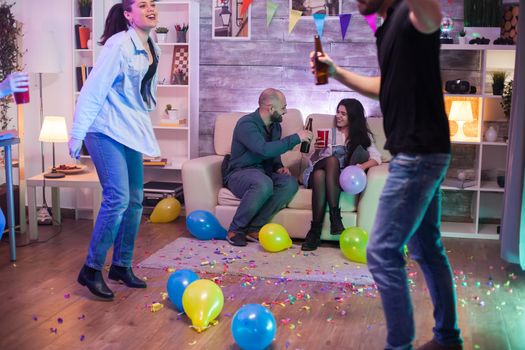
(301, 200)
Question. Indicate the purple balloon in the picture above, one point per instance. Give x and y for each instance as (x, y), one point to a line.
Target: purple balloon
(352, 179)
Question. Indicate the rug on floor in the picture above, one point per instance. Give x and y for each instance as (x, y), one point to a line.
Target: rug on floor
(326, 264)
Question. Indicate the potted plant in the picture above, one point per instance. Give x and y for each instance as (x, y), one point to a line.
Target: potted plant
(506, 98)
(462, 37)
(172, 114)
(161, 32)
(10, 55)
(84, 8)
(498, 82)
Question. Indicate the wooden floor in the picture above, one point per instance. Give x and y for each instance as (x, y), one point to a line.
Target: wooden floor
(43, 307)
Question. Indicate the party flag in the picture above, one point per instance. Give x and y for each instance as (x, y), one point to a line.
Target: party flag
(344, 21)
(371, 20)
(271, 8)
(294, 18)
(319, 23)
(245, 5)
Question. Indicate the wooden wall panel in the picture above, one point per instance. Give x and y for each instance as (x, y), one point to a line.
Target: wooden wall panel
(233, 73)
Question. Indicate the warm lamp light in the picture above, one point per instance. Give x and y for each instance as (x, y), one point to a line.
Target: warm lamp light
(53, 130)
(461, 112)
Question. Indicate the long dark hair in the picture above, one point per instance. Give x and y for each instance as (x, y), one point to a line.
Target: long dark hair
(358, 130)
(116, 22)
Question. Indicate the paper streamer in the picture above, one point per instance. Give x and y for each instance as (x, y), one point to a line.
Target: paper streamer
(344, 21)
(319, 23)
(245, 5)
(271, 8)
(371, 20)
(294, 18)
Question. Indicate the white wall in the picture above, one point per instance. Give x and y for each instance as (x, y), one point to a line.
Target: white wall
(38, 17)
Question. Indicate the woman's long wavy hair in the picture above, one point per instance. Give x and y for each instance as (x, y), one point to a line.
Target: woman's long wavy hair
(116, 22)
(358, 131)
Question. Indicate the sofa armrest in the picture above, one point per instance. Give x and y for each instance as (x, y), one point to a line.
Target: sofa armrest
(369, 201)
(202, 180)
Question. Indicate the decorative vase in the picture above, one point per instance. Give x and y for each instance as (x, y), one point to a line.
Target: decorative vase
(85, 11)
(181, 36)
(462, 40)
(161, 37)
(491, 134)
(497, 89)
(84, 34)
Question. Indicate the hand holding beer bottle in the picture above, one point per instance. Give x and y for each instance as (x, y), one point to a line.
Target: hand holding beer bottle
(321, 58)
(320, 68)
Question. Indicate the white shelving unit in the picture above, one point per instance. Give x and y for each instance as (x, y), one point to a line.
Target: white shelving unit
(486, 203)
(177, 143)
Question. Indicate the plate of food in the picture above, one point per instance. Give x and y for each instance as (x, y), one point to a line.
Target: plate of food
(70, 168)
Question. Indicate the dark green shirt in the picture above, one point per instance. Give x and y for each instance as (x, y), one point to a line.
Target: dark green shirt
(255, 146)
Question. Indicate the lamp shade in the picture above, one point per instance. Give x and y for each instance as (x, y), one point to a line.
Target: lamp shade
(461, 111)
(54, 129)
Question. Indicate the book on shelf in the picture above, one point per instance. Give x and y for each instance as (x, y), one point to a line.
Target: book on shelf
(155, 161)
(82, 73)
(451, 182)
(169, 122)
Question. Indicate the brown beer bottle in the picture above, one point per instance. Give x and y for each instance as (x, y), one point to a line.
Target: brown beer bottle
(305, 145)
(321, 69)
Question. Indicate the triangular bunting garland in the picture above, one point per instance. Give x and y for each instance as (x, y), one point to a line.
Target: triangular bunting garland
(371, 20)
(271, 8)
(245, 5)
(319, 23)
(344, 21)
(294, 18)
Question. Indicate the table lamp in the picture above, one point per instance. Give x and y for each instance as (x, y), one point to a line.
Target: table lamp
(461, 112)
(53, 130)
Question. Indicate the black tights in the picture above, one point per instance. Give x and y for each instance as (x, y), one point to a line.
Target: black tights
(324, 182)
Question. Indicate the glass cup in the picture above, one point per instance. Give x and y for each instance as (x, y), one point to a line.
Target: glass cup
(22, 97)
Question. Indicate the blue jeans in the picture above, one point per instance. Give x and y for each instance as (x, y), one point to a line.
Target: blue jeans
(261, 197)
(409, 212)
(121, 175)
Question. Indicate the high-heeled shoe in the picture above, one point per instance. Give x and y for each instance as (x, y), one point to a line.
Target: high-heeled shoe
(313, 237)
(126, 275)
(94, 281)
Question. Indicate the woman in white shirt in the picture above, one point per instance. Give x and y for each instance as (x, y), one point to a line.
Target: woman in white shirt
(112, 118)
(351, 143)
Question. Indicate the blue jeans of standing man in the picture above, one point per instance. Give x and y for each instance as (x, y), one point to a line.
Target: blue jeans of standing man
(409, 213)
(261, 197)
(121, 176)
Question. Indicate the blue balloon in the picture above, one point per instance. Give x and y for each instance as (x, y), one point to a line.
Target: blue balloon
(253, 327)
(204, 225)
(352, 179)
(176, 285)
(2, 223)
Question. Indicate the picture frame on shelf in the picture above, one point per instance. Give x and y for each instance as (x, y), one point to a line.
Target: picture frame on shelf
(179, 65)
(330, 8)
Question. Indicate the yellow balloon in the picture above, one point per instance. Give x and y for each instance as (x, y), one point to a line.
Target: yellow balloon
(353, 243)
(274, 238)
(202, 301)
(165, 211)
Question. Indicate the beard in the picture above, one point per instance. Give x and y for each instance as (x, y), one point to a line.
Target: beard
(276, 118)
(368, 7)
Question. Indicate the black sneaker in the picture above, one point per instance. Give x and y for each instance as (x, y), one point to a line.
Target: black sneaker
(238, 240)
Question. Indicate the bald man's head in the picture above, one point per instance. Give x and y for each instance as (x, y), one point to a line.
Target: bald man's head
(273, 103)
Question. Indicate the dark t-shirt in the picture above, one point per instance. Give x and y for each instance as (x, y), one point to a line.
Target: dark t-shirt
(411, 94)
(149, 74)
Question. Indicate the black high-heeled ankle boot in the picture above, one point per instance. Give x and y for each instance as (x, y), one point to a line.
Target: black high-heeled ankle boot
(93, 279)
(126, 275)
(313, 237)
(336, 221)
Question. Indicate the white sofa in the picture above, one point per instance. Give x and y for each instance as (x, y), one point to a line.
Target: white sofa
(203, 190)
